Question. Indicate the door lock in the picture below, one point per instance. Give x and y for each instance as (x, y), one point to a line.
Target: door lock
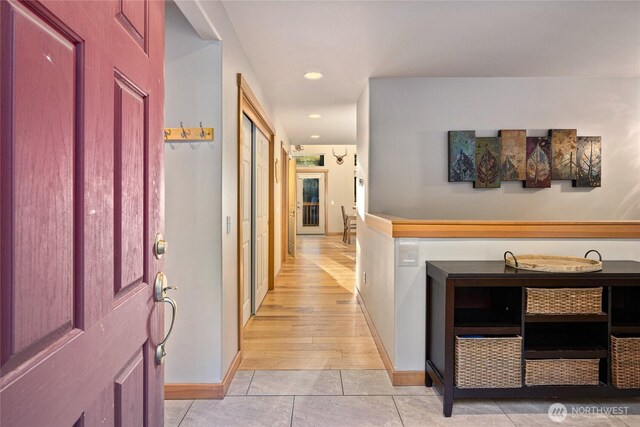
(160, 247)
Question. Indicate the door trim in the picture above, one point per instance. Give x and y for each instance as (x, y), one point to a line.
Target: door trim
(284, 203)
(248, 105)
(326, 193)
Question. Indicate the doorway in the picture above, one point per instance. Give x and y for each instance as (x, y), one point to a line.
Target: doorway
(311, 203)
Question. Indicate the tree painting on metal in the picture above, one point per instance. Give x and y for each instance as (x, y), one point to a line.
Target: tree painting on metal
(538, 163)
(589, 161)
(487, 163)
(512, 155)
(462, 156)
(563, 154)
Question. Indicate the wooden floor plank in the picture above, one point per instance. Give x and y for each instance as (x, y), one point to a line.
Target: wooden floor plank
(312, 320)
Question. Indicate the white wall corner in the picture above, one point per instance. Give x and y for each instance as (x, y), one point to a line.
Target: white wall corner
(198, 18)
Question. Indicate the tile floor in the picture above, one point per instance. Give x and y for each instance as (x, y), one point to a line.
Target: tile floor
(357, 398)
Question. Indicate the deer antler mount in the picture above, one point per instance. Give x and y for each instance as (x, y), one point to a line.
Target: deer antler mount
(339, 158)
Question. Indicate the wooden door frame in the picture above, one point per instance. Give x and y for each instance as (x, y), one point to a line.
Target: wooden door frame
(248, 105)
(326, 193)
(284, 205)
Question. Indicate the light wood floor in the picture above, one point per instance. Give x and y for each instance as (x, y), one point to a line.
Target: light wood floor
(312, 320)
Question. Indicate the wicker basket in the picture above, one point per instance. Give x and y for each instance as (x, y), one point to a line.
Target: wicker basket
(625, 362)
(562, 372)
(564, 300)
(489, 362)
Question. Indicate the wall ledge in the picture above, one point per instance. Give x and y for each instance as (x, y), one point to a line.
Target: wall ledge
(398, 227)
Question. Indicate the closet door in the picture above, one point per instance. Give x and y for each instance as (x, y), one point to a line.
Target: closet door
(246, 178)
(261, 200)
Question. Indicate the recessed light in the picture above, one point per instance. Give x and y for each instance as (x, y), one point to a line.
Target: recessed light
(315, 116)
(313, 75)
(315, 136)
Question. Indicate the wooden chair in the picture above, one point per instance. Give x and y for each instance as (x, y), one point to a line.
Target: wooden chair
(348, 225)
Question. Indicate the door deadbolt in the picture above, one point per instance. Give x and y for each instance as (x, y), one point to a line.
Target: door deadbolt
(160, 247)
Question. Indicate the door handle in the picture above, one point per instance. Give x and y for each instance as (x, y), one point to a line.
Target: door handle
(160, 289)
(160, 353)
(161, 286)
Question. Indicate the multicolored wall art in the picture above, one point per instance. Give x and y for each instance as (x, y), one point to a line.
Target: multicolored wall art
(538, 162)
(563, 152)
(514, 156)
(589, 161)
(487, 163)
(462, 156)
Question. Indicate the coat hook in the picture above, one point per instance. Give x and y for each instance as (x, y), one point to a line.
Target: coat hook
(202, 133)
(167, 132)
(184, 133)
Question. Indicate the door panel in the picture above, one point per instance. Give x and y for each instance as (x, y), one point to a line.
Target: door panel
(44, 70)
(132, 15)
(261, 218)
(246, 177)
(129, 393)
(80, 189)
(130, 113)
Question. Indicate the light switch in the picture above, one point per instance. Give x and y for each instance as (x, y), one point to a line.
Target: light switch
(408, 252)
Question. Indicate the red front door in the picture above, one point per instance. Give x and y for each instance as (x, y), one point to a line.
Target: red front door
(80, 190)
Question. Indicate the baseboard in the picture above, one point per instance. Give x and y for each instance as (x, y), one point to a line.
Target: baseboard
(193, 391)
(203, 391)
(396, 377)
(231, 372)
(407, 377)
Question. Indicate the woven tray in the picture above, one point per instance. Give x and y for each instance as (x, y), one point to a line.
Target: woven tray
(553, 263)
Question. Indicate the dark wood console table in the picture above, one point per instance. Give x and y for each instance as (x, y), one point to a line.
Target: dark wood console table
(487, 298)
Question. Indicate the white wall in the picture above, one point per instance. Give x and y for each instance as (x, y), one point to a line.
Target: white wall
(201, 84)
(410, 118)
(193, 185)
(362, 147)
(339, 181)
(377, 291)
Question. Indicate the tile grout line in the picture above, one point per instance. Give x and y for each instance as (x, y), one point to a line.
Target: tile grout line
(503, 411)
(185, 413)
(250, 382)
(341, 381)
(397, 410)
(293, 407)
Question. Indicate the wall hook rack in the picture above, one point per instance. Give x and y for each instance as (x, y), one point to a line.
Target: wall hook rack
(189, 135)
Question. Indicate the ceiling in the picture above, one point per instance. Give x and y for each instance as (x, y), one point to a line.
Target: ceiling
(351, 41)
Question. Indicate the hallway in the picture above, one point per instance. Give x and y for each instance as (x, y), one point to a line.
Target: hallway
(312, 320)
